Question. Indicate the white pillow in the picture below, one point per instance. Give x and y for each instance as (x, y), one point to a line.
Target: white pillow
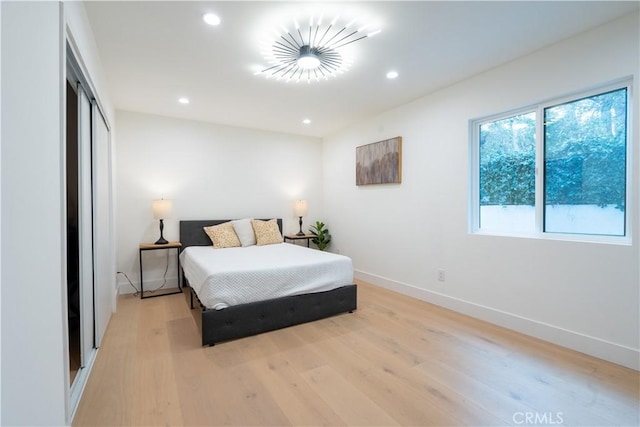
(245, 232)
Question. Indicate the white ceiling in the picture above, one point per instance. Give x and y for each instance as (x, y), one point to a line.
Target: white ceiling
(155, 52)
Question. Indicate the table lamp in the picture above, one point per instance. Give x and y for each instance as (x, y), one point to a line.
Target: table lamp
(161, 210)
(300, 210)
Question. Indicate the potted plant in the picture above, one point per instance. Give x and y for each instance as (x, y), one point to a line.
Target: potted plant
(321, 235)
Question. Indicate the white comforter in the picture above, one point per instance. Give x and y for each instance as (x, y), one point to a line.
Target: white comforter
(232, 276)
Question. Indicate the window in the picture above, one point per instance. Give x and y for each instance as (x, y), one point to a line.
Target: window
(507, 173)
(585, 147)
(555, 168)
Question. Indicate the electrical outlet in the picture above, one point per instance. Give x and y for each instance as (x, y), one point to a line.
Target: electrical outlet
(338, 251)
(441, 275)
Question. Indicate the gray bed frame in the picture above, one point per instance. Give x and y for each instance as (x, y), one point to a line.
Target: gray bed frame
(254, 318)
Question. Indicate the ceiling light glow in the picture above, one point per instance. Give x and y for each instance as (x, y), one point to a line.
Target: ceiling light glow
(308, 59)
(392, 74)
(183, 100)
(308, 62)
(212, 19)
(311, 53)
(306, 121)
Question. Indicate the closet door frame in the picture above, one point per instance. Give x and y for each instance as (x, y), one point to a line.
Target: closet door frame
(85, 232)
(77, 73)
(76, 77)
(103, 260)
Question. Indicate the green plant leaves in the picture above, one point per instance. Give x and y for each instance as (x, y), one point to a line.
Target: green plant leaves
(321, 235)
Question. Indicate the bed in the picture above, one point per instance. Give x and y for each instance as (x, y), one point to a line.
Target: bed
(228, 321)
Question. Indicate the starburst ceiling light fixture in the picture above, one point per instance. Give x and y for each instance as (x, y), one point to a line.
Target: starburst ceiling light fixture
(311, 53)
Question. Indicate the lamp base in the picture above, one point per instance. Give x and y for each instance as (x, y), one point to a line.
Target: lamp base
(161, 240)
(300, 233)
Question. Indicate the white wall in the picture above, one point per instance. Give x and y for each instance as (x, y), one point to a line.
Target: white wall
(581, 295)
(33, 367)
(80, 36)
(210, 172)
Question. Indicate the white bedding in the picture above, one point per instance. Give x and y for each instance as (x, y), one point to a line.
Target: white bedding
(232, 276)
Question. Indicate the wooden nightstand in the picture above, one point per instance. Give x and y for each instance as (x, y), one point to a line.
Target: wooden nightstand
(295, 237)
(152, 247)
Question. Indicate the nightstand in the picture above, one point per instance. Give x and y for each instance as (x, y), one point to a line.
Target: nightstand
(295, 237)
(152, 247)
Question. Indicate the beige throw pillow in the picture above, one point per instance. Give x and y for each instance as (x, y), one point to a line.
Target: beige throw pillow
(222, 235)
(267, 232)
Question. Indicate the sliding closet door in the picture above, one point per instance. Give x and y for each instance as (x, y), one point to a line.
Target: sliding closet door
(85, 226)
(104, 270)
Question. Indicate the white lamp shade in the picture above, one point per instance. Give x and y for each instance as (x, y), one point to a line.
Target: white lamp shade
(300, 208)
(162, 208)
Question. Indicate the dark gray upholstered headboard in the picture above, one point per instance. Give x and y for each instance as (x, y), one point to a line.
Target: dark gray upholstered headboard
(192, 233)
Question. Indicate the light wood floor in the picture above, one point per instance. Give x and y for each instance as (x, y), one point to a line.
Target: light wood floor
(395, 361)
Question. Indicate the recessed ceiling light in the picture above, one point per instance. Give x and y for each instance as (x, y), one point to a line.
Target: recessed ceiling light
(392, 74)
(211, 19)
(183, 100)
(306, 121)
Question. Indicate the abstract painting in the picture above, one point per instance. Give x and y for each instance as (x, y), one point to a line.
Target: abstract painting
(380, 162)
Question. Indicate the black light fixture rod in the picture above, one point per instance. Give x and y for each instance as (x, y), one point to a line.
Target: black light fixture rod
(331, 67)
(315, 36)
(295, 42)
(301, 38)
(351, 41)
(330, 70)
(285, 64)
(278, 50)
(282, 67)
(285, 58)
(279, 66)
(293, 45)
(333, 62)
(333, 37)
(325, 33)
(292, 67)
(331, 54)
(339, 41)
(270, 68)
(284, 47)
(280, 70)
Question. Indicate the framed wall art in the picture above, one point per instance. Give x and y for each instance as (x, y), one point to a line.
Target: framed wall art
(379, 162)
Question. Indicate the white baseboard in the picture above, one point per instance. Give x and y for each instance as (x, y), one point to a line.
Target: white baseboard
(592, 346)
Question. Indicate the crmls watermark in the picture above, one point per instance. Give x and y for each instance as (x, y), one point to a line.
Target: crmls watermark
(538, 418)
